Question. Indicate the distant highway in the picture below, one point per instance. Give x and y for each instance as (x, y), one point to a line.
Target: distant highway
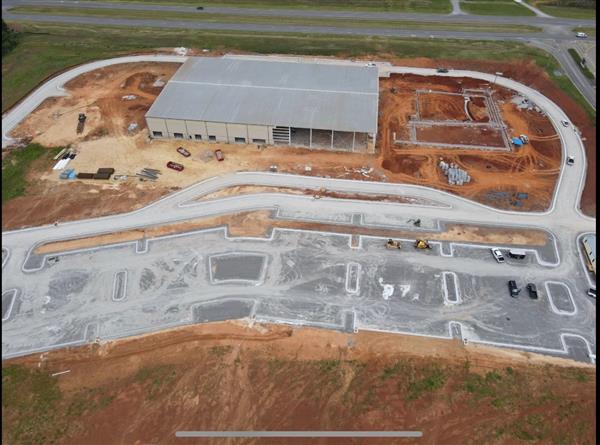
(276, 12)
(555, 37)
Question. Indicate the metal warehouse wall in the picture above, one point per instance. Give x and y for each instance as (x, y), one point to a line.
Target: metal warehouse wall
(198, 130)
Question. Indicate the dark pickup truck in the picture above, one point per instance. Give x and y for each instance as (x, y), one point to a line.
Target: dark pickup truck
(512, 287)
(532, 291)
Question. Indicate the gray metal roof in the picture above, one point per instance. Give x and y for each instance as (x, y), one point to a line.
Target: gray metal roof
(305, 95)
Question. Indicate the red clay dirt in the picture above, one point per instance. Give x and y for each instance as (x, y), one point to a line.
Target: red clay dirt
(233, 376)
(528, 73)
(496, 175)
(108, 115)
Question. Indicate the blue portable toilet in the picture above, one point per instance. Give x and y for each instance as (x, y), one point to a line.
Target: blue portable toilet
(518, 142)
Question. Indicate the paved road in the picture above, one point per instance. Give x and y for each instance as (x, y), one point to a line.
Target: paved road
(563, 220)
(276, 12)
(555, 35)
(559, 51)
(537, 12)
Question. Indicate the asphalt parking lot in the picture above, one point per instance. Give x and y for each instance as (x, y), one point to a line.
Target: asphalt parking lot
(296, 277)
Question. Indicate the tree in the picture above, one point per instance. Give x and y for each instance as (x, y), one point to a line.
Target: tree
(9, 39)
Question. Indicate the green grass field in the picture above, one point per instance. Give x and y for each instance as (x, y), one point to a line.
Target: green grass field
(565, 8)
(587, 29)
(228, 18)
(507, 8)
(45, 49)
(421, 6)
(584, 69)
(15, 166)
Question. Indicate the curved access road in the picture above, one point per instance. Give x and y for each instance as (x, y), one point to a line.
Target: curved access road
(563, 220)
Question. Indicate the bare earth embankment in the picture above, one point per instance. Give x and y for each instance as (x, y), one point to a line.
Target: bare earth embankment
(232, 376)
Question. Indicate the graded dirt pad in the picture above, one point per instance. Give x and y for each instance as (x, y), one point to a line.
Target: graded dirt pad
(460, 136)
(528, 73)
(261, 222)
(496, 176)
(106, 142)
(437, 106)
(234, 376)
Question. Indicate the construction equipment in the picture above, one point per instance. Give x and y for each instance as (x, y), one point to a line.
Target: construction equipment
(392, 244)
(422, 244)
(81, 122)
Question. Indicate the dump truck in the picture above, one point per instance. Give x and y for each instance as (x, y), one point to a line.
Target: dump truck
(422, 244)
(81, 122)
(392, 244)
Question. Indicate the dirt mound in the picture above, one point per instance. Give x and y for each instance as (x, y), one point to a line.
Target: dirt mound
(269, 377)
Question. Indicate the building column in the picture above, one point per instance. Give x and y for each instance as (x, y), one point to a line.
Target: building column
(310, 138)
(331, 140)
(353, 139)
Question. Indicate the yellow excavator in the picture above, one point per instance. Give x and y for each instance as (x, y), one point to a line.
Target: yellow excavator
(422, 244)
(392, 244)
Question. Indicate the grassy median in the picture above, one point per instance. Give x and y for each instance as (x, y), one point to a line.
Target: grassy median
(421, 6)
(46, 49)
(262, 20)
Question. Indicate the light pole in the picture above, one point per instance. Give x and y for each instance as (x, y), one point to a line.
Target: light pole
(495, 77)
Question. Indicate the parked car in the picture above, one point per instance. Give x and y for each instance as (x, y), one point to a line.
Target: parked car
(564, 123)
(592, 292)
(183, 151)
(513, 289)
(442, 70)
(581, 35)
(532, 291)
(370, 64)
(497, 254)
(570, 160)
(175, 166)
(219, 155)
(517, 254)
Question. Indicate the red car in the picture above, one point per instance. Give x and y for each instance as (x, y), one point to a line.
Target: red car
(184, 152)
(219, 155)
(175, 166)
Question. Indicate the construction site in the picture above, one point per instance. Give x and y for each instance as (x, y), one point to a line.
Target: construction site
(452, 134)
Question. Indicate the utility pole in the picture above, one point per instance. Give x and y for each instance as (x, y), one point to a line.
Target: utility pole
(495, 77)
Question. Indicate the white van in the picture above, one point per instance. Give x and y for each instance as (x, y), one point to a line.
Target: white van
(517, 254)
(581, 35)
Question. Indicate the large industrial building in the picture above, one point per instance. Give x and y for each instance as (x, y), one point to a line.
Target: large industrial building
(234, 100)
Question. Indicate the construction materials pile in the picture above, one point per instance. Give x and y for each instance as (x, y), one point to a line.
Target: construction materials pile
(65, 156)
(148, 174)
(101, 173)
(456, 175)
(69, 173)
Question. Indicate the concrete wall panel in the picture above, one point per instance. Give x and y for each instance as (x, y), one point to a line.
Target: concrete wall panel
(258, 132)
(176, 126)
(196, 127)
(237, 131)
(155, 124)
(217, 129)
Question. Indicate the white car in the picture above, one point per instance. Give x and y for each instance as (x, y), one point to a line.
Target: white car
(592, 292)
(570, 160)
(564, 123)
(581, 35)
(371, 64)
(497, 254)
